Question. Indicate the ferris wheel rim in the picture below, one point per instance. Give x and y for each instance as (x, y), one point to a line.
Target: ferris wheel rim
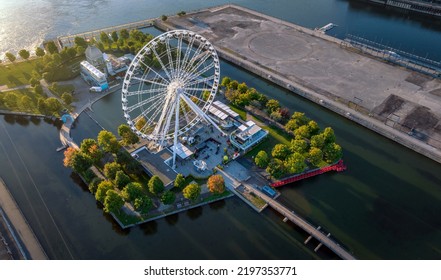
(185, 73)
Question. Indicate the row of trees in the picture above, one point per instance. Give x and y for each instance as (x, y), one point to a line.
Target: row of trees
(241, 95)
(310, 146)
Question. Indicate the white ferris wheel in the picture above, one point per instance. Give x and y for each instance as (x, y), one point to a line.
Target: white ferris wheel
(169, 87)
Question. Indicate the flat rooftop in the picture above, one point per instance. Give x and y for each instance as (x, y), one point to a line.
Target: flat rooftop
(320, 63)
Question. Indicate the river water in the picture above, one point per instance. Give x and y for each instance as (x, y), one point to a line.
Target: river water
(385, 206)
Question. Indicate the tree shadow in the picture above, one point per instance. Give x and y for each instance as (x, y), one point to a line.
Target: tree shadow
(195, 213)
(217, 205)
(149, 228)
(23, 121)
(172, 219)
(35, 120)
(9, 119)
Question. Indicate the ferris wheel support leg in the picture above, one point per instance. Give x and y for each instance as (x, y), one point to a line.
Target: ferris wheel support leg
(198, 111)
(175, 140)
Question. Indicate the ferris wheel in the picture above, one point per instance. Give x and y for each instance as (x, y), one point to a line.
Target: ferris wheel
(169, 86)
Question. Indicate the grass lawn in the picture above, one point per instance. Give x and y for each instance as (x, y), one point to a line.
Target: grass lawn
(242, 113)
(62, 89)
(17, 74)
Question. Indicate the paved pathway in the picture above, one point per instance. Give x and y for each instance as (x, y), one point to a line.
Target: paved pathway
(21, 230)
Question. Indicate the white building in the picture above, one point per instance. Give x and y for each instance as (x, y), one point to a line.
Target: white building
(223, 115)
(247, 136)
(93, 76)
(95, 57)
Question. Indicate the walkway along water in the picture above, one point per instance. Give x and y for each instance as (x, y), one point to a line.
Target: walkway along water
(232, 183)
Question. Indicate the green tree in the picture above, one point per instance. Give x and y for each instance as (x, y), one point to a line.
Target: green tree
(104, 38)
(242, 88)
(313, 127)
(108, 142)
(123, 157)
(276, 168)
(114, 36)
(132, 191)
(39, 52)
(38, 89)
(318, 141)
(280, 151)
(233, 85)
(10, 57)
(76, 160)
(143, 204)
(67, 98)
(53, 105)
(262, 159)
(124, 33)
(315, 156)
(93, 185)
(110, 170)
(51, 47)
(276, 116)
(216, 184)
(163, 17)
(10, 100)
(272, 105)
(332, 152)
(121, 179)
(71, 52)
(206, 94)
(102, 189)
(90, 148)
(299, 146)
(33, 81)
(168, 197)
(295, 163)
(140, 123)
(300, 117)
(179, 181)
(24, 54)
(80, 42)
(113, 202)
(41, 106)
(156, 186)
(292, 125)
(329, 135)
(128, 136)
(192, 191)
(226, 81)
(25, 103)
(302, 132)
(80, 50)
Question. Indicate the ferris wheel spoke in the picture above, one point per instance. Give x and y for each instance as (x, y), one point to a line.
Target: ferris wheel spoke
(178, 56)
(156, 73)
(142, 103)
(199, 81)
(162, 63)
(170, 58)
(198, 64)
(184, 112)
(198, 89)
(147, 91)
(195, 97)
(194, 58)
(187, 54)
(149, 81)
(156, 106)
(200, 72)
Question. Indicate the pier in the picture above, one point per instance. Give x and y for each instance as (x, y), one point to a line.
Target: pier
(233, 184)
(68, 41)
(421, 6)
(325, 70)
(310, 229)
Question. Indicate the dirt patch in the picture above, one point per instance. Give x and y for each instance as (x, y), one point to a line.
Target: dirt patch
(418, 79)
(389, 105)
(421, 119)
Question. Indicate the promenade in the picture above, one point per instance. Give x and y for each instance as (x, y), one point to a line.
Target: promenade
(391, 100)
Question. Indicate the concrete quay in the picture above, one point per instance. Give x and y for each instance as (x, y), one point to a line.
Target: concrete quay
(18, 227)
(391, 100)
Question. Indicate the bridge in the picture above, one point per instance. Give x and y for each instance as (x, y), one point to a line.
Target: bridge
(310, 229)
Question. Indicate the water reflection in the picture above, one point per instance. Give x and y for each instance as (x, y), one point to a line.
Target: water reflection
(172, 219)
(194, 213)
(150, 228)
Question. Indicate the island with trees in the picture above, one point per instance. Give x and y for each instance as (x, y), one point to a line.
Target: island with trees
(123, 188)
(296, 142)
